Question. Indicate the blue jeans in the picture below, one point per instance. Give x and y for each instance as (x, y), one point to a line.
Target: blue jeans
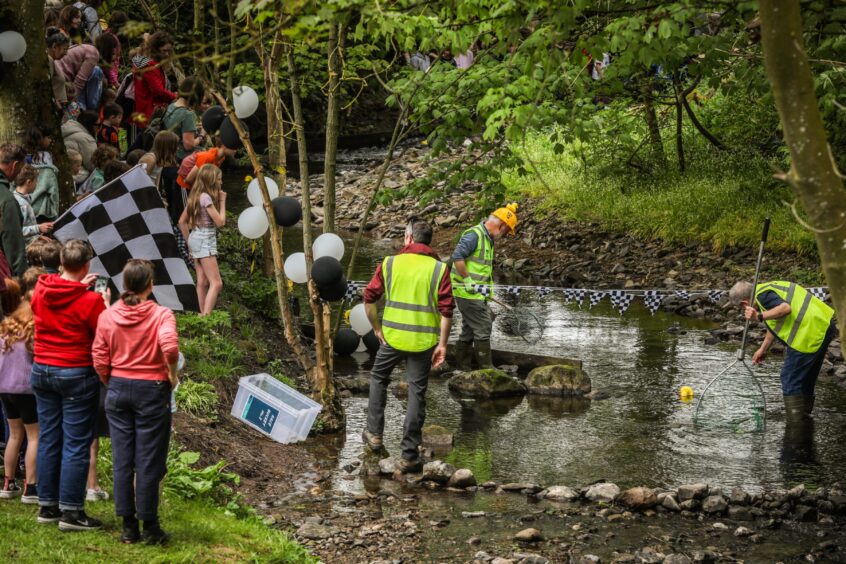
(90, 96)
(800, 371)
(67, 412)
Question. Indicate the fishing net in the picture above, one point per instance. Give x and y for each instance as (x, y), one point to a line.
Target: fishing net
(733, 401)
(520, 322)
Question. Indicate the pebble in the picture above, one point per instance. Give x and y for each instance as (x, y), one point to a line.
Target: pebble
(742, 532)
(529, 535)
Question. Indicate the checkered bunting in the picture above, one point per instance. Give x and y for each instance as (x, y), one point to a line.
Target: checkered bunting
(653, 300)
(483, 289)
(513, 290)
(596, 297)
(819, 292)
(683, 294)
(621, 300)
(715, 296)
(352, 291)
(543, 291)
(127, 219)
(571, 295)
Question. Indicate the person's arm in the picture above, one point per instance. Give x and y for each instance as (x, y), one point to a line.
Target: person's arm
(102, 355)
(439, 354)
(466, 246)
(169, 344)
(759, 355)
(183, 223)
(11, 236)
(372, 311)
(190, 139)
(92, 57)
(372, 294)
(218, 217)
(192, 175)
(156, 85)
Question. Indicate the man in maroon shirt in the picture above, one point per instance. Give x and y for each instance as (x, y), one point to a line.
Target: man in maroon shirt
(402, 337)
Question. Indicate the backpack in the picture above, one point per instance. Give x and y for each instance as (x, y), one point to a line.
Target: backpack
(126, 96)
(157, 124)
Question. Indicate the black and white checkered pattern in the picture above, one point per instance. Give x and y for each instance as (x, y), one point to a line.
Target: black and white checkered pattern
(574, 295)
(543, 291)
(596, 297)
(819, 292)
(715, 296)
(683, 294)
(513, 290)
(653, 300)
(127, 219)
(483, 289)
(621, 300)
(352, 291)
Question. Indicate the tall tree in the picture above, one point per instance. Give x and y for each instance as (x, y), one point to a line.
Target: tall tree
(813, 174)
(335, 51)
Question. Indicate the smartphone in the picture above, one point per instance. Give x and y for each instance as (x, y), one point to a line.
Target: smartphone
(101, 284)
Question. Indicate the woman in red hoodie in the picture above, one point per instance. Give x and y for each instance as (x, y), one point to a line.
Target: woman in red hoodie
(136, 352)
(150, 82)
(65, 386)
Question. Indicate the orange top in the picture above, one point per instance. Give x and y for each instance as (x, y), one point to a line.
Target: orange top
(197, 159)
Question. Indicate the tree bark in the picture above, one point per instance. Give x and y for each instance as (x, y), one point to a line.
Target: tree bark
(335, 48)
(652, 126)
(323, 385)
(25, 92)
(679, 123)
(701, 128)
(813, 174)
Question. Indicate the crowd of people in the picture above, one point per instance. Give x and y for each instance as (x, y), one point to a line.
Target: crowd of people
(73, 365)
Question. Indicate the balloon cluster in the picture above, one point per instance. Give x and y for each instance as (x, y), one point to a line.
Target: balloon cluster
(214, 120)
(326, 271)
(252, 223)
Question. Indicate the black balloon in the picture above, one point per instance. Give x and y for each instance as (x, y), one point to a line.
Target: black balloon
(286, 210)
(371, 341)
(334, 292)
(346, 342)
(229, 135)
(213, 118)
(326, 271)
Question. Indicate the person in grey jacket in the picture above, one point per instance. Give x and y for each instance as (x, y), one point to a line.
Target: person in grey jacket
(12, 160)
(79, 136)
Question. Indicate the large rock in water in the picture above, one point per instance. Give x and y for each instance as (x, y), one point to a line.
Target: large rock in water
(436, 436)
(558, 380)
(638, 498)
(486, 383)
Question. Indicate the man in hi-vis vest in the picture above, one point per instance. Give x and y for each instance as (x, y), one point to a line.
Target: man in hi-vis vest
(803, 323)
(414, 327)
(472, 283)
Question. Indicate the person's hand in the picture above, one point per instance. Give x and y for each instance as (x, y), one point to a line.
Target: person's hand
(107, 297)
(439, 355)
(749, 312)
(89, 279)
(759, 356)
(222, 196)
(470, 286)
(380, 336)
(45, 227)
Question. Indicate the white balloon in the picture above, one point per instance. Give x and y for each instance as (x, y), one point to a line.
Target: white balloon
(245, 100)
(328, 245)
(254, 191)
(12, 46)
(295, 268)
(358, 320)
(252, 223)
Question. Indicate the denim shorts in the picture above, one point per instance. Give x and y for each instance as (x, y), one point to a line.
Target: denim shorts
(202, 242)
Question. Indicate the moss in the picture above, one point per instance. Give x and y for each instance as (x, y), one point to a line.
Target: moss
(486, 383)
(558, 379)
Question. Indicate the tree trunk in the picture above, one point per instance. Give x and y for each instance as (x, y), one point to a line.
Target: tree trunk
(813, 173)
(335, 48)
(25, 92)
(679, 116)
(323, 385)
(655, 142)
(701, 128)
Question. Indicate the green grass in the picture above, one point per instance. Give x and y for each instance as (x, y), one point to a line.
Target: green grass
(200, 533)
(722, 199)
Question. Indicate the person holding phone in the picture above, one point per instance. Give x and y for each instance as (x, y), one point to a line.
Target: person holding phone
(136, 353)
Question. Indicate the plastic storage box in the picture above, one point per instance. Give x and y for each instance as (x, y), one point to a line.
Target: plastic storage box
(269, 406)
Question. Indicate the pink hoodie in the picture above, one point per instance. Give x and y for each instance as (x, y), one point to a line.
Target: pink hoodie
(135, 342)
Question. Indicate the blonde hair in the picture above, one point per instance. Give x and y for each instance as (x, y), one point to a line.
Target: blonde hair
(18, 325)
(205, 183)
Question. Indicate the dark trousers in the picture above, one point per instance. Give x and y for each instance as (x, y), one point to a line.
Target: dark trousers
(800, 371)
(139, 421)
(476, 320)
(417, 370)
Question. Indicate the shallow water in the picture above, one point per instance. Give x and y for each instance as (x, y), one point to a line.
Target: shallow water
(642, 434)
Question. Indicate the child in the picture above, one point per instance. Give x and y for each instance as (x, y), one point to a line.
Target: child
(24, 186)
(149, 162)
(113, 169)
(192, 163)
(102, 155)
(37, 145)
(76, 170)
(202, 215)
(164, 147)
(133, 156)
(107, 134)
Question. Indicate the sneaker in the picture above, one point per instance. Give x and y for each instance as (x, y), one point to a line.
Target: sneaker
(131, 534)
(96, 495)
(49, 514)
(373, 442)
(78, 521)
(30, 494)
(155, 535)
(10, 489)
(407, 466)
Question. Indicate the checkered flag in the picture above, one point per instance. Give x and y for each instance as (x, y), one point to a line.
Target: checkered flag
(653, 300)
(715, 296)
(352, 291)
(127, 219)
(819, 292)
(571, 295)
(683, 294)
(596, 297)
(621, 300)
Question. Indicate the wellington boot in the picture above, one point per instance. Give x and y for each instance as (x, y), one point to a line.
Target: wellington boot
(797, 408)
(483, 354)
(463, 356)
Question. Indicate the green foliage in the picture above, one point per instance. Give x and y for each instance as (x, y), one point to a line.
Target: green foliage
(276, 369)
(187, 482)
(210, 346)
(197, 398)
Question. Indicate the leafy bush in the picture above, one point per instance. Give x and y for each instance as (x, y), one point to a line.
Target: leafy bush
(186, 482)
(275, 369)
(197, 398)
(210, 345)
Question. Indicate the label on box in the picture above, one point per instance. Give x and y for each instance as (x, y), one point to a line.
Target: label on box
(260, 414)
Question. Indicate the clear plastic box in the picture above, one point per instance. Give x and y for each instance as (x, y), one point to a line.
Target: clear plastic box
(274, 409)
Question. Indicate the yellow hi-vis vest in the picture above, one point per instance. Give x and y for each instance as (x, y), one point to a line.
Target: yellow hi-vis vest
(411, 321)
(804, 329)
(479, 266)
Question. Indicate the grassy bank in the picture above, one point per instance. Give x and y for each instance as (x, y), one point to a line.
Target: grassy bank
(200, 532)
(722, 198)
